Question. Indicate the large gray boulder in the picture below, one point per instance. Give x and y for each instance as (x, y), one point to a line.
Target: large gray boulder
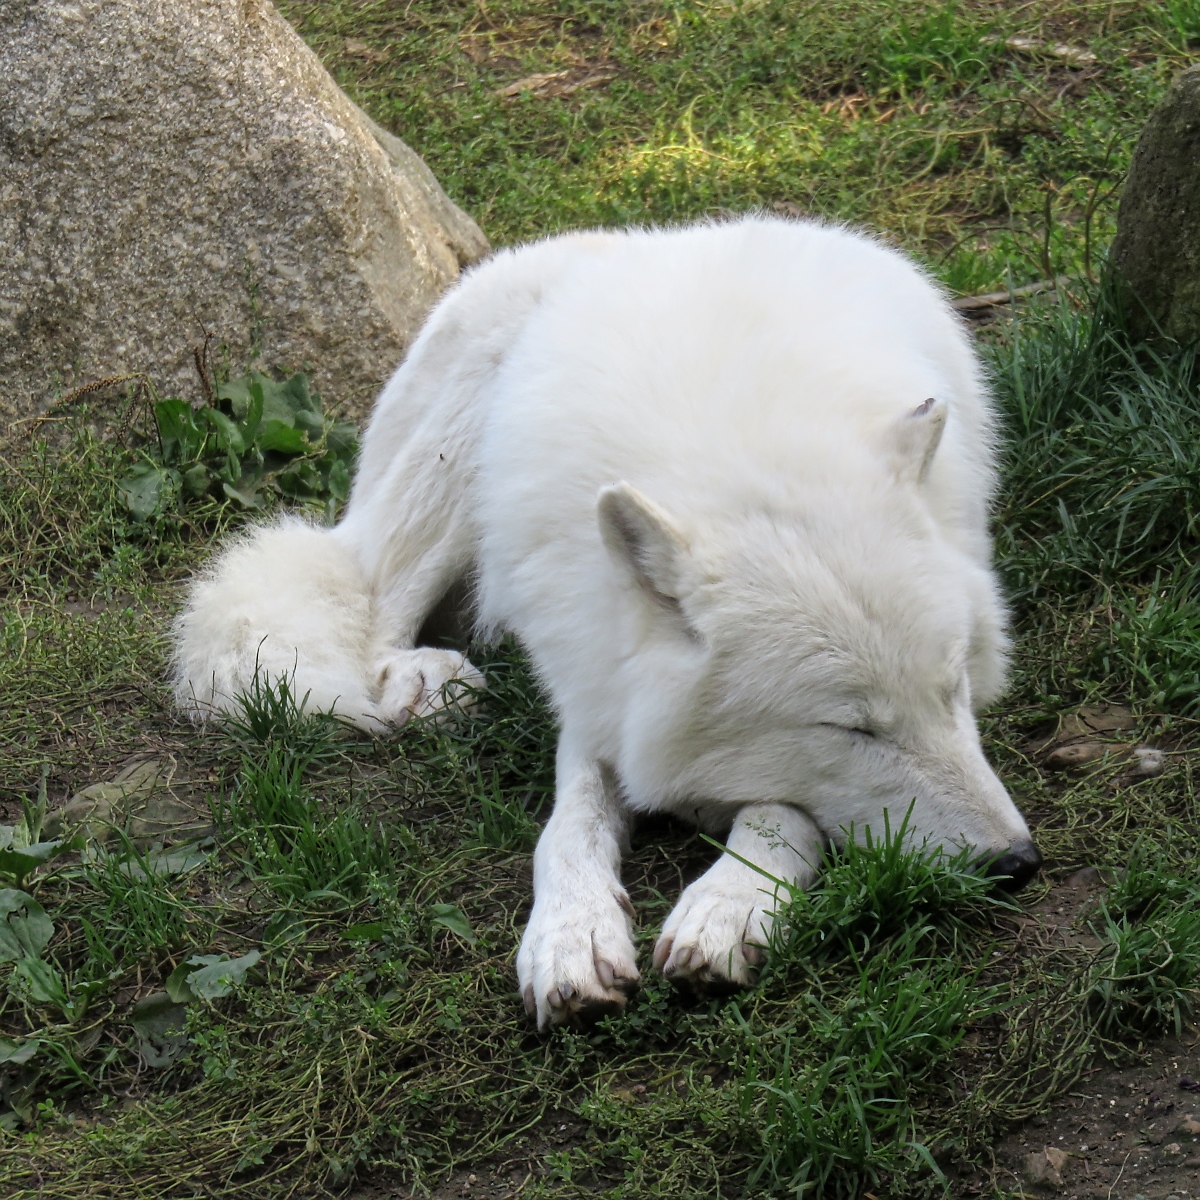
(1156, 252)
(175, 167)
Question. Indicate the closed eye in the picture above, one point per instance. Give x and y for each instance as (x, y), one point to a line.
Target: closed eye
(857, 730)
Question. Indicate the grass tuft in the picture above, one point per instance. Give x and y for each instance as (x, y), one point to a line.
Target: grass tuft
(872, 890)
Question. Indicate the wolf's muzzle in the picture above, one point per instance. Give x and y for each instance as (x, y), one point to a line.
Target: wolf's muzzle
(1015, 869)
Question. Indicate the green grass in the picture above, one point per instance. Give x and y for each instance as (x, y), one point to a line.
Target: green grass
(874, 890)
(373, 892)
(916, 118)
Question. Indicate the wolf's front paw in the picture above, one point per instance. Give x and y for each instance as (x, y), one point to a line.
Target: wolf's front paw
(577, 963)
(714, 938)
(414, 683)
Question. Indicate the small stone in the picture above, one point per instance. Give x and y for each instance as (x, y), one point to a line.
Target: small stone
(1189, 1125)
(1077, 754)
(1149, 763)
(1173, 1148)
(1085, 877)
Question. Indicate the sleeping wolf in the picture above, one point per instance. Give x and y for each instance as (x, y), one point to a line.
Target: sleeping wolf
(728, 485)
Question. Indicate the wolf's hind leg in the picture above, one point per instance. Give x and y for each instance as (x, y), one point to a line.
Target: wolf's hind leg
(714, 936)
(284, 600)
(418, 682)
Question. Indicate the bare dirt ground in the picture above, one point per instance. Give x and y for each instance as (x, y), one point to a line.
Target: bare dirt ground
(1127, 1131)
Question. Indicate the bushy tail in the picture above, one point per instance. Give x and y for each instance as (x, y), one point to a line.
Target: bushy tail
(283, 599)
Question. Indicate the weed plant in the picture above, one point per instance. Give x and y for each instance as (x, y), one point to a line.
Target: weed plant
(288, 838)
(305, 849)
(1148, 882)
(1147, 982)
(140, 914)
(270, 715)
(253, 437)
(1147, 978)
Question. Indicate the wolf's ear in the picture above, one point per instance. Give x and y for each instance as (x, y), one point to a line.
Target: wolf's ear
(912, 441)
(643, 541)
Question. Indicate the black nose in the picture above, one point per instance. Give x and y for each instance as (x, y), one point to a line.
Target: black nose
(1020, 865)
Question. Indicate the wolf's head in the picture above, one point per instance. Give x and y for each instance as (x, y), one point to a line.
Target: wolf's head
(830, 654)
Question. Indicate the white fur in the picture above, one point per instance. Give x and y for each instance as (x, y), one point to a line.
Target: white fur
(696, 473)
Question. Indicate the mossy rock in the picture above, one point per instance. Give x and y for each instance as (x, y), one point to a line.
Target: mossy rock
(1157, 248)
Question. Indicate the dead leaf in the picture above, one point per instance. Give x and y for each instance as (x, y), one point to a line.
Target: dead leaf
(556, 83)
(532, 83)
(142, 799)
(357, 49)
(1077, 739)
(1074, 56)
(1046, 1166)
(589, 81)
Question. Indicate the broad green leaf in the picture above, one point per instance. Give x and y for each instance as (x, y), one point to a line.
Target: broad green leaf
(177, 985)
(209, 976)
(18, 857)
(338, 480)
(146, 489)
(252, 419)
(228, 434)
(28, 829)
(82, 993)
(16, 1053)
(370, 931)
(178, 860)
(43, 981)
(296, 394)
(237, 394)
(159, 1022)
(342, 440)
(275, 435)
(301, 478)
(244, 493)
(196, 481)
(451, 917)
(182, 438)
(313, 424)
(279, 402)
(25, 930)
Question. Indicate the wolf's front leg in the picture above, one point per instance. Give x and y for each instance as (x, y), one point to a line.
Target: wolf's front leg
(714, 936)
(577, 958)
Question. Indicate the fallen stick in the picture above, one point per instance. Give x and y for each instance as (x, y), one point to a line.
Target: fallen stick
(992, 299)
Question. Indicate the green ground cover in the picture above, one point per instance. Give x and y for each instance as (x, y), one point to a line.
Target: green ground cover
(317, 987)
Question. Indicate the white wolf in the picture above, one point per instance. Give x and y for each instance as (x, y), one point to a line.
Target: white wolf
(729, 486)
